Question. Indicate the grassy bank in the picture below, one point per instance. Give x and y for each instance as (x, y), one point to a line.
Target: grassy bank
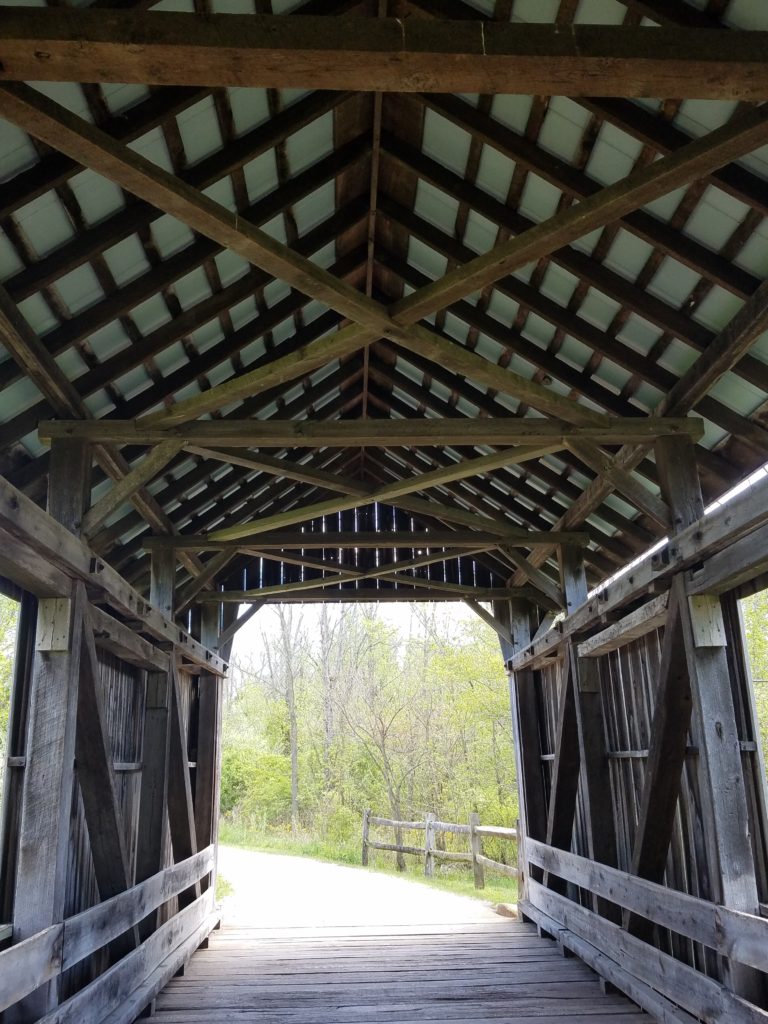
(453, 878)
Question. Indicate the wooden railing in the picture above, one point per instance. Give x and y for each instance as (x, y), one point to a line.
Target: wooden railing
(614, 947)
(130, 984)
(430, 852)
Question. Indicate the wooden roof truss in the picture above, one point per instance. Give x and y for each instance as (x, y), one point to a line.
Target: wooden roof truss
(453, 316)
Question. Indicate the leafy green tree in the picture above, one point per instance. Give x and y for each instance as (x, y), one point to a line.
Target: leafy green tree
(9, 617)
(755, 612)
(354, 713)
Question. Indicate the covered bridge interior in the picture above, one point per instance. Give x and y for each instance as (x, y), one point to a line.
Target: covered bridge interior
(392, 300)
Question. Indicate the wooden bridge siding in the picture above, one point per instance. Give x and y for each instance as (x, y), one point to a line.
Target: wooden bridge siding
(628, 678)
(123, 692)
(404, 975)
(122, 687)
(704, 809)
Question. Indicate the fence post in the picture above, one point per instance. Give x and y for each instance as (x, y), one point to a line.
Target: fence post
(366, 826)
(429, 845)
(476, 847)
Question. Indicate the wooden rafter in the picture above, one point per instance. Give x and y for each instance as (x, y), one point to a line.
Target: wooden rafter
(416, 539)
(388, 493)
(743, 328)
(278, 433)
(383, 55)
(58, 128)
(26, 349)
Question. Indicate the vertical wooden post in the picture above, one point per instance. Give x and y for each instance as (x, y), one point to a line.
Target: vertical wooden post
(10, 800)
(590, 727)
(366, 827)
(429, 845)
(162, 580)
(153, 798)
(525, 724)
(714, 718)
(51, 733)
(476, 848)
(208, 773)
(151, 852)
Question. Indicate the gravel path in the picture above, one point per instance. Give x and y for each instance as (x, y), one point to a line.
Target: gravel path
(271, 890)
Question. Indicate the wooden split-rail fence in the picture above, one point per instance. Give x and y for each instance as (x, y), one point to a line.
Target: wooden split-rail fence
(431, 827)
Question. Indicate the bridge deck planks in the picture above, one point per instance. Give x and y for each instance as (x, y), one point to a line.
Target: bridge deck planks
(399, 975)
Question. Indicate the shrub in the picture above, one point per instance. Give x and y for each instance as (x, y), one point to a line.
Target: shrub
(254, 785)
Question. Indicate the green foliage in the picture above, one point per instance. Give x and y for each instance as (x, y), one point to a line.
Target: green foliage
(401, 721)
(9, 612)
(341, 826)
(224, 888)
(255, 786)
(755, 611)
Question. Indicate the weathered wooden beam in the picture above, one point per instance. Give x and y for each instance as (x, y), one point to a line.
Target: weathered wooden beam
(208, 770)
(152, 463)
(404, 591)
(638, 623)
(296, 540)
(95, 775)
(663, 137)
(113, 635)
(726, 349)
(565, 767)
(211, 569)
(579, 185)
(383, 55)
(631, 488)
(200, 436)
(585, 267)
(94, 239)
(721, 775)
(46, 798)
(153, 823)
(394, 571)
(181, 809)
(80, 327)
(745, 560)
(279, 467)
(704, 997)
(490, 620)
(598, 808)
(57, 127)
(609, 204)
(699, 542)
(227, 635)
(38, 538)
(94, 148)
(536, 577)
(153, 793)
(728, 932)
(85, 933)
(524, 707)
(389, 492)
(31, 355)
(162, 584)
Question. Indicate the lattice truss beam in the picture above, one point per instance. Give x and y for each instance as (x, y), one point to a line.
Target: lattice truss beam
(192, 273)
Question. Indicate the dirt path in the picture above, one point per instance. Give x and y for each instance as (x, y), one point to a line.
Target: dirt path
(271, 890)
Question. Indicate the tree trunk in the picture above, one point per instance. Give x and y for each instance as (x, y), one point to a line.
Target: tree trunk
(328, 724)
(294, 738)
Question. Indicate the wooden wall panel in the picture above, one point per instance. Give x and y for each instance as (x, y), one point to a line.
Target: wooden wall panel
(628, 679)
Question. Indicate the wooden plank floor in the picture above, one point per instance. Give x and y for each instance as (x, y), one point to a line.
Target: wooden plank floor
(469, 972)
